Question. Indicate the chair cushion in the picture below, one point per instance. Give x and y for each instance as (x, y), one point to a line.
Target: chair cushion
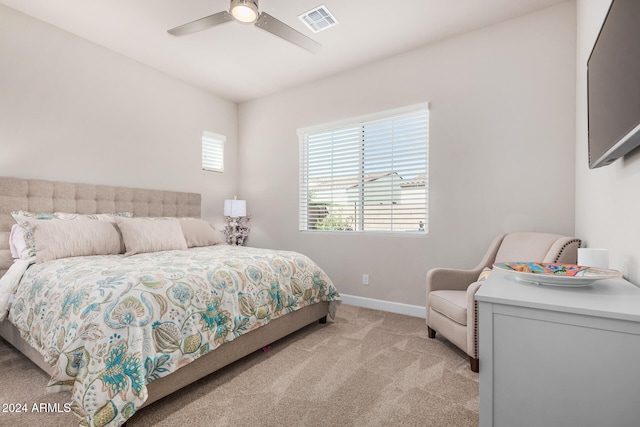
(452, 304)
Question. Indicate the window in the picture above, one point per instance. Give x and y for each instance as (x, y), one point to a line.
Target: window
(368, 174)
(212, 151)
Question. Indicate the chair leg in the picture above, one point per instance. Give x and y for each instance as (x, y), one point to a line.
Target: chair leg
(431, 332)
(474, 364)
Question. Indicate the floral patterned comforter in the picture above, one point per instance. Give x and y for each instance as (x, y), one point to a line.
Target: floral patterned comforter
(111, 324)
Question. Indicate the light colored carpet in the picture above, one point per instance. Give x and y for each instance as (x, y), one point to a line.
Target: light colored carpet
(366, 368)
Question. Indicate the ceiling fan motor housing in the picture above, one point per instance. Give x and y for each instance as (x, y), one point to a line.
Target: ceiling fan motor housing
(245, 11)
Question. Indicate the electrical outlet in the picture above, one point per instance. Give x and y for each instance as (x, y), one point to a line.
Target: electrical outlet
(365, 279)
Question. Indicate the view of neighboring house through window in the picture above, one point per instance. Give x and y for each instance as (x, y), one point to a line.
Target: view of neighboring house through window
(366, 174)
(213, 151)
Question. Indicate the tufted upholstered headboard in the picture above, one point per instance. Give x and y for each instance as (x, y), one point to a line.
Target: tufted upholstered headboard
(52, 196)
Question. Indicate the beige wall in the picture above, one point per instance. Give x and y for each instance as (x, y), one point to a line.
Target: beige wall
(502, 131)
(502, 99)
(73, 111)
(607, 202)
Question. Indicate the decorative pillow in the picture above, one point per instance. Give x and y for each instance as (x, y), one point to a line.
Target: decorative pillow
(484, 274)
(68, 238)
(17, 243)
(151, 235)
(198, 232)
(23, 218)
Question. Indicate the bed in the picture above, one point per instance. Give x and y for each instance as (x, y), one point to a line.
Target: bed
(122, 330)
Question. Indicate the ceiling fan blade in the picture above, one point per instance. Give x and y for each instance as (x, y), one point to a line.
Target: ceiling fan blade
(282, 30)
(201, 24)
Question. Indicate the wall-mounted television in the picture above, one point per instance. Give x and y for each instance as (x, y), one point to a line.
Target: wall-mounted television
(613, 76)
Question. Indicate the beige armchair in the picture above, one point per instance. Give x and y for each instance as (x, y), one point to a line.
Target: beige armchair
(451, 308)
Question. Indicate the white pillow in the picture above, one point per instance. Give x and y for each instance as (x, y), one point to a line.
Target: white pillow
(70, 238)
(17, 244)
(151, 235)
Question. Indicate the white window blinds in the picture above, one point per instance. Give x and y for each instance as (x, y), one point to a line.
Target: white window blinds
(369, 174)
(213, 151)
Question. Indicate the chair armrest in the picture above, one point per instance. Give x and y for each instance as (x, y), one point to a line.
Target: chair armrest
(450, 279)
(471, 293)
(458, 280)
(472, 320)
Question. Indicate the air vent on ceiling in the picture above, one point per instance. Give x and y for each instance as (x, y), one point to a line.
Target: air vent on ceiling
(318, 19)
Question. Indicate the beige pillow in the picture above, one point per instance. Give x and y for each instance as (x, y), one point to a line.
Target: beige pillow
(151, 235)
(23, 218)
(68, 238)
(198, 232)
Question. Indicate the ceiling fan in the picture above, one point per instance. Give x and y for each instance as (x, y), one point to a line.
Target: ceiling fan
(246, 12)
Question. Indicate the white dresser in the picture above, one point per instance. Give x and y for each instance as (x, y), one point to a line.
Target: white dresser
(559, 356)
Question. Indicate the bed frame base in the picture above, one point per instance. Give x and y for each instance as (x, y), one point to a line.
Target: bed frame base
(12, 336)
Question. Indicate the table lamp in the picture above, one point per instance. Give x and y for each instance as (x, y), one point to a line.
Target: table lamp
(234, 209)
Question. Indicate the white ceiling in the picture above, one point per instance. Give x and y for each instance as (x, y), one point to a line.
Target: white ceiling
(241, 62)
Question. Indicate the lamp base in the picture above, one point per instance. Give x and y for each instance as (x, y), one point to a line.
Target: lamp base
(237, 229)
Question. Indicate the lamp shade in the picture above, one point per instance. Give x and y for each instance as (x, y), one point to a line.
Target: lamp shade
(593, 257)
(235, 208)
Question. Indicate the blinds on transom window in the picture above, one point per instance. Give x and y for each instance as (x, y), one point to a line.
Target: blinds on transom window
(369, 174)
(213, 151)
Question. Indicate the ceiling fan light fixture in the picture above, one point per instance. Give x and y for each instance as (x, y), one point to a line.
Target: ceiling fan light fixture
(245, 11)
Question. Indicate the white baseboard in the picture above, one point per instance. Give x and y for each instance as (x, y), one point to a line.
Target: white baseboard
(393, 307)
